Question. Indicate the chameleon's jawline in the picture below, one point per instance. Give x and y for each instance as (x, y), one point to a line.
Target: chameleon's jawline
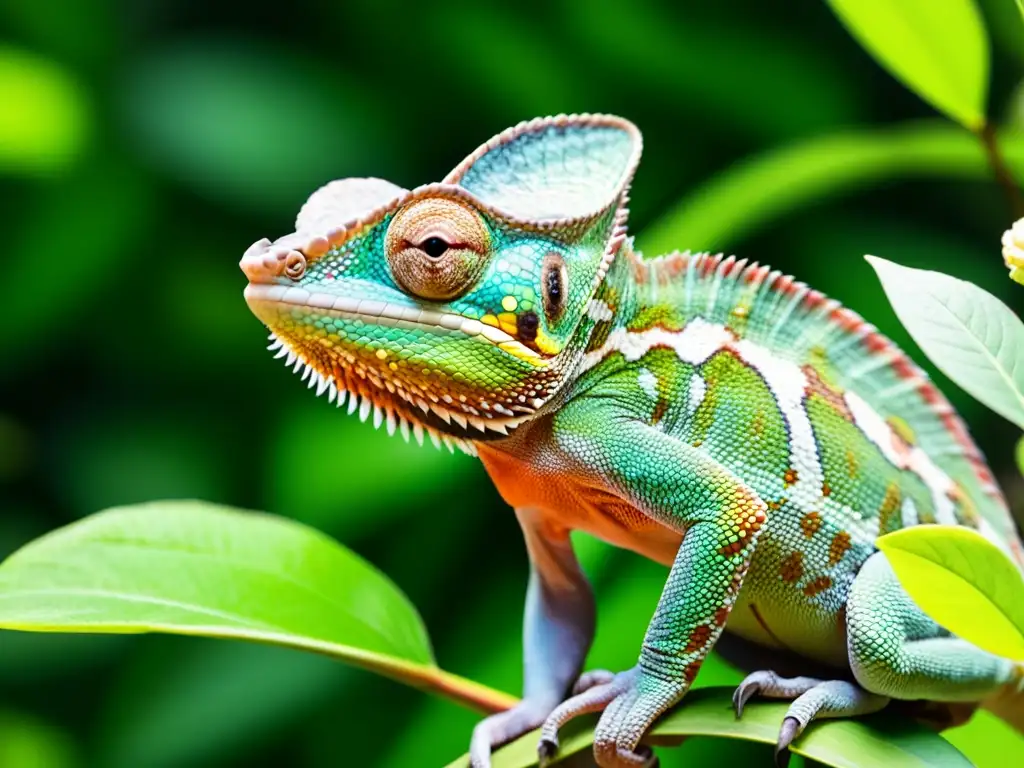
(373, 393)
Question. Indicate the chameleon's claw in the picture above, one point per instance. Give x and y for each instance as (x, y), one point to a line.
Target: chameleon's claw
(743, 693)
(547, 748)
(791, 728)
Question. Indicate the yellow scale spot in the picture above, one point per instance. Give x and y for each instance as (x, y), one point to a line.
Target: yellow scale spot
(509, 303)
(490, 320)
(507, 323)
(382, 354)
(546, 344)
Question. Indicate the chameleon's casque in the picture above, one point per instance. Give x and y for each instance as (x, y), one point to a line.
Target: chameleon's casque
(712, 414)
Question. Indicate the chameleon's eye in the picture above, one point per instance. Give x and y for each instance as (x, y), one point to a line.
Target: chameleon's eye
(436, 248)
(553, 284)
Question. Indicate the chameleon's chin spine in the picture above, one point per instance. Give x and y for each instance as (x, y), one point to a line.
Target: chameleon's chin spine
(382, 415)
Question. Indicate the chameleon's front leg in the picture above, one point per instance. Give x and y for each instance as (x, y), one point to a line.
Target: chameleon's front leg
(558, 628)
(720, 518)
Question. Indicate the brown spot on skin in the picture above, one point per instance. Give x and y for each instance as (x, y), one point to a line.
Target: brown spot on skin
(810, 523)
(690, 673)
(746, 523)
(826, 489)
(817, 586)
(721, 616)
(851, 464)
(733, 548)
(790, 477)
(660, 408)
(840, 546)
(757, 426)
(792, 568)
(776, 505)
(889, 518)
(699, 638)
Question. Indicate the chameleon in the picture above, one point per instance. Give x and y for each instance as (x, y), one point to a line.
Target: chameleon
(707, 412)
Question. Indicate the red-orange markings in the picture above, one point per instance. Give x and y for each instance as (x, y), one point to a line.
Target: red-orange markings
(840, 546)
(817, 586)
(810, 523)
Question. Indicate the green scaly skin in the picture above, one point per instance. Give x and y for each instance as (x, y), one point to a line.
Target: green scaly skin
(709, 413)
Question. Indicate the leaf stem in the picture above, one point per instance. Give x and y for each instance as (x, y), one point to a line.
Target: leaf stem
(468, 693)
(1001, 170)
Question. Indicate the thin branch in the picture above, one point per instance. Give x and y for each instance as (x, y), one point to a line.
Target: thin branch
(1001, 170)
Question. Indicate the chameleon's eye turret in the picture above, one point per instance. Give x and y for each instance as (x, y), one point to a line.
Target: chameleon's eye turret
(436, 248)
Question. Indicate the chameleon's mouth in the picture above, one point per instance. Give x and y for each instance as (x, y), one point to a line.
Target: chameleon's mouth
(389, 314)
(374, 381)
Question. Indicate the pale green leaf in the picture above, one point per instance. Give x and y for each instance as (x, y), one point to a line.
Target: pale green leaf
(938, 48)
(194, 568)
(964, 582)
(759, 191)
(880, 739)
(969, 334)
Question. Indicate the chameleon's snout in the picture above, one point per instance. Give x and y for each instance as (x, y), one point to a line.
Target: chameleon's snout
(263, 264)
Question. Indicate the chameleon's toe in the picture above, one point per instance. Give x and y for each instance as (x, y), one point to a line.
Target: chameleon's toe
(595, 696)
(504, 727)
(830, 698)
(592, 679)
(766, 683)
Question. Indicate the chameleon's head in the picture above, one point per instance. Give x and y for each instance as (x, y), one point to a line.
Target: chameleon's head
(453, 307)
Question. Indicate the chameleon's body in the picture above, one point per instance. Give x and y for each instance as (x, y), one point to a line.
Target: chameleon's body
(711, 414)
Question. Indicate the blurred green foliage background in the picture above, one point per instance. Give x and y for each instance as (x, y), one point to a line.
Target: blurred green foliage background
(145, 144)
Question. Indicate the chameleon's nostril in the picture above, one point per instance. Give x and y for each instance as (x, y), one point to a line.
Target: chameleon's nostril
(261, 264)
(294, 265)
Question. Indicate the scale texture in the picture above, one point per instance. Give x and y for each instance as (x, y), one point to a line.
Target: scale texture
(709, 413)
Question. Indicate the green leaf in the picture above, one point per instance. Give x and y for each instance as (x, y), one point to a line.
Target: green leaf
(964, 582)
(1019, 453)
(105, 210)
(48, 121)
(969, 334)
(27, 742)
(938, 48)
(759, 191)
(161, 718)
(880, 739)
(194, 568)
(376, 495)
(252, 130)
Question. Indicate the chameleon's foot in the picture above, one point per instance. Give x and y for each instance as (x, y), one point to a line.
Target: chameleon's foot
(631, 702)
(812, 699)
(504, 727)
(768, 684)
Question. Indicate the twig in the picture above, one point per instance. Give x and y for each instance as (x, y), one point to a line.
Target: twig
(1001, 170)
